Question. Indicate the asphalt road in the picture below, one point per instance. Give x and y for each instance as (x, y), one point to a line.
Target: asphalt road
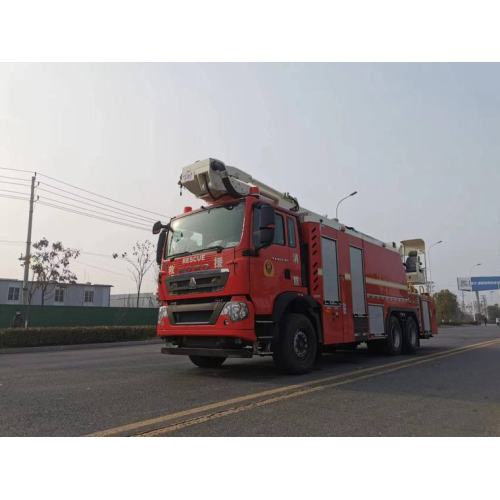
(450, 388)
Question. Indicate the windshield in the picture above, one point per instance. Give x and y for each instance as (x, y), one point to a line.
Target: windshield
(219, 227)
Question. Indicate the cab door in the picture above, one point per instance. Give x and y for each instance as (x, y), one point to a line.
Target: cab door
(270, 271)
(295, 267)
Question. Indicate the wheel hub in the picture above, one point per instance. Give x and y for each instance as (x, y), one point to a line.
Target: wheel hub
(396, 335)
(300, 344)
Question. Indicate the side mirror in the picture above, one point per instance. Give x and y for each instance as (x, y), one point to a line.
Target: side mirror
(161, 244)
(157, 227)
(264, 235)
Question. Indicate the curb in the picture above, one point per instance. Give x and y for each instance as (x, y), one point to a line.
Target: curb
(75, 347)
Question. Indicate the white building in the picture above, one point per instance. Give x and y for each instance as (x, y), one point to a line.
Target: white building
(57, 294)
(130, 300)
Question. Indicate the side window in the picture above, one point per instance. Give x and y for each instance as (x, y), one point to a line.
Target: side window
(59, 295)
(13, 293)
(291, 232)
(279, 232)
(89, 296)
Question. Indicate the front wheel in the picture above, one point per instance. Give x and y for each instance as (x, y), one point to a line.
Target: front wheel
(207, 361)
(296, 349)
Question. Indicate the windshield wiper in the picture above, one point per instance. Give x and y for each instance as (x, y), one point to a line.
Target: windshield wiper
(174, 255)
(219, 248)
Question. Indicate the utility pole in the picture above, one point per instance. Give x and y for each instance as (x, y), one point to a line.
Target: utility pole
(478, 305)
(27, 256)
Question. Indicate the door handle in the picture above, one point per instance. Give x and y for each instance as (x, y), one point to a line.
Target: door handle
(288, 274)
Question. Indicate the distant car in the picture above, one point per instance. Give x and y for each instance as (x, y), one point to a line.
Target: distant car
(497, 321)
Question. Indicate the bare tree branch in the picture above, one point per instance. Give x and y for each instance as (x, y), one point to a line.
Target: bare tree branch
(140, 261)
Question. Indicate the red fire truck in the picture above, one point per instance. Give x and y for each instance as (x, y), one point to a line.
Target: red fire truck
(251, 272)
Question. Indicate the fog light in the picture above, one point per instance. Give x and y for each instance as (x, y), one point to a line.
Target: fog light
(162, 313)
(236, 311)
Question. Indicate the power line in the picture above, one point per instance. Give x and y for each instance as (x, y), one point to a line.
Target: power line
(143, 228)
(9, 242)
(14, 183)
(18, 170)
(85, 264)
(80, 189)
(97, 254)
(14, 178)
(101, 196)
(14, 192)
(13, 197)
(112, 209)
(83, 252)
(91, 211)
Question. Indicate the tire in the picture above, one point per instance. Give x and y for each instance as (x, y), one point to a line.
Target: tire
(411, 339)
(207, 361)
(296, 349)
(394, 342)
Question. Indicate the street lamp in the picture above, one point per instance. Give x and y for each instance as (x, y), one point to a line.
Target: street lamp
(475, 265)
(429, 263)
(344, 198)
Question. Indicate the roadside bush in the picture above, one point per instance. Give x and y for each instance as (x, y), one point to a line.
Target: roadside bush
(457, 323)
(35, 337)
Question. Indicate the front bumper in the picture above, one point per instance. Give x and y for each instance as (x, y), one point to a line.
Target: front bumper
(212, 352)
(214, 346)
(205, 319)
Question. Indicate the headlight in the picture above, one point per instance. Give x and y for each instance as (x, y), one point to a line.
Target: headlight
(162, 313)
(236, 311)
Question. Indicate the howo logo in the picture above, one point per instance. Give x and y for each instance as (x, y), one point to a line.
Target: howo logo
(193, 258)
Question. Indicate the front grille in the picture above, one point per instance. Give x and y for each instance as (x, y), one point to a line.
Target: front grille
(192, 317)
(204, 313)
(201, 281)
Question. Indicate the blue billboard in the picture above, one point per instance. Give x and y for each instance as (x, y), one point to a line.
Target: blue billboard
(482, 283)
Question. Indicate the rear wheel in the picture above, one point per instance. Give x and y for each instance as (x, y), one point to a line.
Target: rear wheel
(297, 346)
(394, 343)
(207, 361)
(411, 340)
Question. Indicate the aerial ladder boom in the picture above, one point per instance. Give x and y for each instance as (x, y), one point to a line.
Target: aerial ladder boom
(211, 179)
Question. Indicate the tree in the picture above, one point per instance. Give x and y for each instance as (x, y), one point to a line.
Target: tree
(446, 306)
(140, 261)
(49, 264)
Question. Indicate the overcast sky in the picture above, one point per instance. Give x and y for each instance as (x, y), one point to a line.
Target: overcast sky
(420, 143)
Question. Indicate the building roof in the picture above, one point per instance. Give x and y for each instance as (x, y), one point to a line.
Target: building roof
(14, 280)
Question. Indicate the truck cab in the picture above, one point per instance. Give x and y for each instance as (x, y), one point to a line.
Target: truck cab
(222, 268)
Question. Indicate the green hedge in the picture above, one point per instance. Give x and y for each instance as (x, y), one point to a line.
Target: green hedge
(36, 337)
